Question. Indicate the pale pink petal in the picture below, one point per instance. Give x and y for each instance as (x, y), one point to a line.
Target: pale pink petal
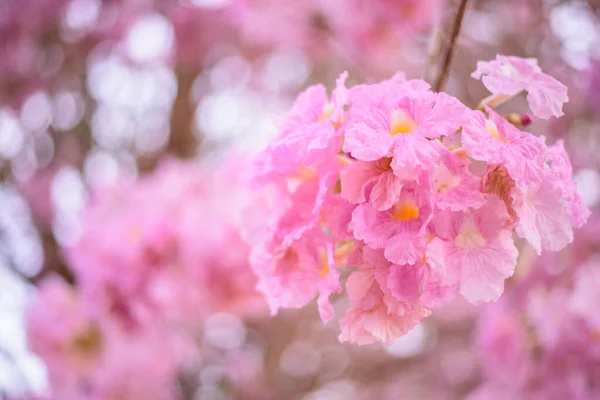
(439, 285)
(404, 281)
(357, 179)
(496, 141)
(377, 325)
(546, 96)
(493, 216)
(455, 187)
(506, 75)
(366, 144)
(307, 140)
(484, 270)
(371, 226)
(543, 220)
(413, 155)
(386, 191)
(446, 117)
(405, 248)
(337, 214)
(362, 288)
(307, 108)
(510, 75)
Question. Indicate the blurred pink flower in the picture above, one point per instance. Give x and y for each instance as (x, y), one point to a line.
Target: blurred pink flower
(169, 245)
(99, 358)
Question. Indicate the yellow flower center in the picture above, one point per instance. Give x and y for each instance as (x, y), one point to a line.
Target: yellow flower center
(88, 341)
(343, 248)
(306, 173)
(492, 128)
(401, 122)
(323, 262)
(405, 211)
(327, 112)
(344, 159)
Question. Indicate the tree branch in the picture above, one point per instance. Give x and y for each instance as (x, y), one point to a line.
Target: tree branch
(182, 140)
(442, 77)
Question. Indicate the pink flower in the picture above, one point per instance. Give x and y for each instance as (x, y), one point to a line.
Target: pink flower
(403, 202)
(97, 357)
(395, 119)
(60, 331)
(398, 230)
(455, 188)
(548, 312)
(310, 130)
(291, 276)
(375, 181)
(145, 248)
(540, 340)
(296, 250)
(360, 326)
(510, 75)
(376, 315)
(479, 253)
(308, 200)
(270, 23)
(422, 281)
(496, 141)
(543, 220)
(586, 294)
(501, 339)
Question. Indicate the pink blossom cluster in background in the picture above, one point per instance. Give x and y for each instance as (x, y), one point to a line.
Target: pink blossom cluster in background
(100, 356)
(354, 29)
(156, 257)
(540, 341)
(48, 42)
(421, 192)
(167, 245)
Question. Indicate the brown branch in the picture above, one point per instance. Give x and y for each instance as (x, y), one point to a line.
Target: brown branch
(440, 82)
(182, 140)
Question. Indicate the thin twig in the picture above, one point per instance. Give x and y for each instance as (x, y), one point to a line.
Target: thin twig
(447, 59)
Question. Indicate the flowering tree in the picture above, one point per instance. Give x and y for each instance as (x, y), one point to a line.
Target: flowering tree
(381, 200)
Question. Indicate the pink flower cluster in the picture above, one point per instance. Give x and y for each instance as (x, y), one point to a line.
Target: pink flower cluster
(167, 245)
(157, 256)
(540, 341)
(342, 28)
(100, 358)
(415, 191)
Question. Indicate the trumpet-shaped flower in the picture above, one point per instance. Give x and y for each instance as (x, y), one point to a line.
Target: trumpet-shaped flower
(510, 75)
